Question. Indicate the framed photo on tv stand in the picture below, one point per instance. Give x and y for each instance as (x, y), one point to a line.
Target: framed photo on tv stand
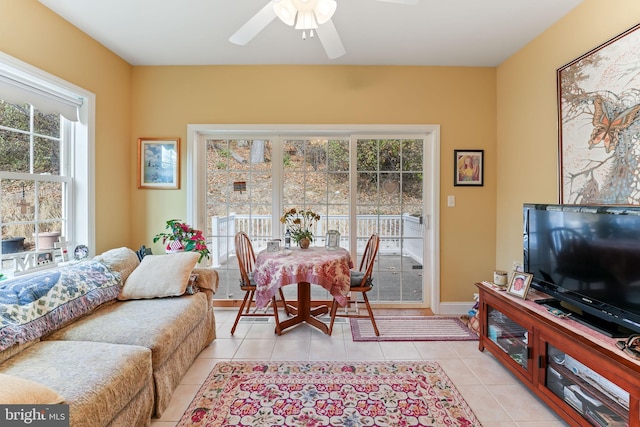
(519, 284)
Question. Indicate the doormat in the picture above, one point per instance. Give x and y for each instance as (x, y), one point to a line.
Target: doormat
(328, 394)
(412, 328)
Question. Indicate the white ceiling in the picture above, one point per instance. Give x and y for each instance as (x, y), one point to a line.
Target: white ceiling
(433, 32)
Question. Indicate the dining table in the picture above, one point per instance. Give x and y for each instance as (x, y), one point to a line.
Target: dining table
(329, 268)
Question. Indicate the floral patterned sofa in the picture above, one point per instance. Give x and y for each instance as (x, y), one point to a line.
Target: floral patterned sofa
(111, 337)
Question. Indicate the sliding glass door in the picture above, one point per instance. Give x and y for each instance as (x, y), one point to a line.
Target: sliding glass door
(389, 201)
(358, 185)
(316, 177)
(239, 192)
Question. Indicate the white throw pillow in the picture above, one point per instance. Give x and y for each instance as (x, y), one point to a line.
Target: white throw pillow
(15, 390)
(160, 276)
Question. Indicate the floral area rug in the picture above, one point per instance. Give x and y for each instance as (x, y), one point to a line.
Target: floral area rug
(317, 394)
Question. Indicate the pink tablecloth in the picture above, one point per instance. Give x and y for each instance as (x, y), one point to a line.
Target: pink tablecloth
(329, 269)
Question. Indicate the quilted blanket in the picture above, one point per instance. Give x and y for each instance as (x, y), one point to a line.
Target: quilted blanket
(34, 305)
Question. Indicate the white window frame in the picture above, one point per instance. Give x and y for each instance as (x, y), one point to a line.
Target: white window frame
(81, 148)
(196, 175)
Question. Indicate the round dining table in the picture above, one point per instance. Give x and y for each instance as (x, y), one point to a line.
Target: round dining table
(328, 268)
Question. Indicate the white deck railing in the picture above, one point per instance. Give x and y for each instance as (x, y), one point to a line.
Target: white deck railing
(399, 234)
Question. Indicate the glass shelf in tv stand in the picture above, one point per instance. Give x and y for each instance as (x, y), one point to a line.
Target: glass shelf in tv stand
(595, 398)
(508, 335)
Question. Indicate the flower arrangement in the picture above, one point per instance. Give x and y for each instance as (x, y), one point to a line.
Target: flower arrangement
(192, 240)
(300, 223)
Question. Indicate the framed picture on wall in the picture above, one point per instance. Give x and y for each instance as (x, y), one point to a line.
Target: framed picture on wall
(159, 163)
(599, 124)
(468, 167)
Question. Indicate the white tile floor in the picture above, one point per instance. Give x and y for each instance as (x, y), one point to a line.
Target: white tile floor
(496, 397)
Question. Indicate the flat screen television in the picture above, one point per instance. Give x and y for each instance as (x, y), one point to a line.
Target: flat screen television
(587, 258)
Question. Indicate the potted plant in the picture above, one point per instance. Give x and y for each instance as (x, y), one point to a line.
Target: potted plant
(182, 236)
(47, 239)
(300, 224)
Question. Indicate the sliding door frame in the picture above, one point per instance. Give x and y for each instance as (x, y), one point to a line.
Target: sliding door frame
(196, 178)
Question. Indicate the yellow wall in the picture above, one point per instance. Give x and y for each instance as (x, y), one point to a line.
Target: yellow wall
(32, 33)
(527, 112)
(461, 100)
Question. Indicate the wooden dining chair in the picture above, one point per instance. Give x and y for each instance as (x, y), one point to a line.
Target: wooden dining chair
(362, 282)
(246, 261)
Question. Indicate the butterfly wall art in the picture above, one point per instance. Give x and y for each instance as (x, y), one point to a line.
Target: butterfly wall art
(599, 129)
(607, 124)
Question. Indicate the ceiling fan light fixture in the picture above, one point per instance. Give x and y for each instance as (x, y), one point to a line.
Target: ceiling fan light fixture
(306, 20)
(286, 11)
(304, 14)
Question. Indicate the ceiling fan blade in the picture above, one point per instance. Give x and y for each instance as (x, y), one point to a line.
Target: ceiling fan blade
(401, 1)
(254, 25)
(330, 40)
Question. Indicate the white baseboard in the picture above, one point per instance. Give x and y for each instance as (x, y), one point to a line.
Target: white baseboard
(454, 308)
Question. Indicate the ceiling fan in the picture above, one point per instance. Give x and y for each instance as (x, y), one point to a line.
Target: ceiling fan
(306, 15)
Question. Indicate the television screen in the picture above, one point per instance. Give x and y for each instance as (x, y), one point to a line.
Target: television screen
(588, 256)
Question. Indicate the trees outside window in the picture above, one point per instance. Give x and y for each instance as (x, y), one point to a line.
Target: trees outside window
(33, 182)
(46, 164)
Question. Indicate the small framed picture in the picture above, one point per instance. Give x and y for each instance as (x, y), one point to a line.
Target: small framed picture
(80, 252)
(159, 163)
(468, 167)
(519, 284)
(273, 245)
(333, 240)
(44, 257)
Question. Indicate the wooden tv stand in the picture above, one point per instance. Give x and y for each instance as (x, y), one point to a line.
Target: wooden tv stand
(576, 371)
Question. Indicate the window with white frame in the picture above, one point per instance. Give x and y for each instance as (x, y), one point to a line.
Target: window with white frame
(46, 161)
(381, 180)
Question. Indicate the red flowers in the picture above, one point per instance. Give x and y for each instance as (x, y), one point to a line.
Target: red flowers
(192, 240)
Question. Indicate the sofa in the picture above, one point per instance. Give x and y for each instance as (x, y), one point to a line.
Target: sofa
(111, 336)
